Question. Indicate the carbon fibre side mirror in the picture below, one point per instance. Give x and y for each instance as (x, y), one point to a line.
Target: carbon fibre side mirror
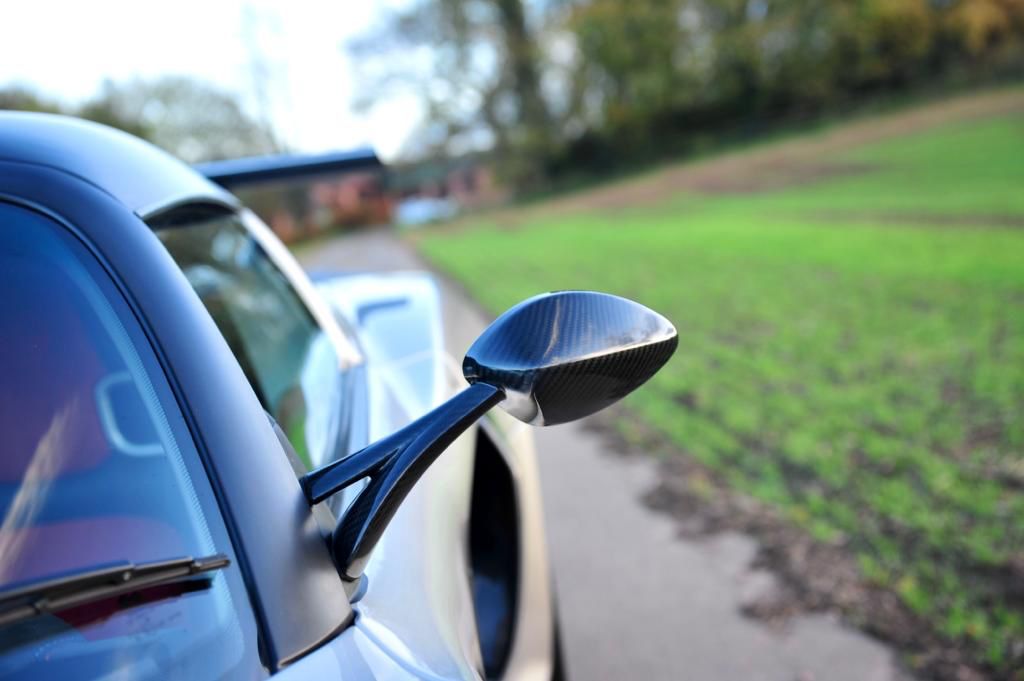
(561, 356)
(551, 359)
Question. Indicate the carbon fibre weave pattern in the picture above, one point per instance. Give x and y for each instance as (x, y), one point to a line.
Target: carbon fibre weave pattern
(562, 356)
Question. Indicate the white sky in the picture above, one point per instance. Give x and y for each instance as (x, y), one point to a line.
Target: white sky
(66, 50)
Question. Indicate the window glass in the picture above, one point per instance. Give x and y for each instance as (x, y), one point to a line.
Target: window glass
(289, 360)
(97, 467)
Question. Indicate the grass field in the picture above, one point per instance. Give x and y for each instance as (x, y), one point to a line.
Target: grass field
(851, 342)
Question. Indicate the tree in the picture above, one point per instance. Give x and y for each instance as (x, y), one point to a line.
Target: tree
(893, 40)
(22, 98)
(633, 80)
(193, 120)
(476, 67)
(636, 79)
(985, 26)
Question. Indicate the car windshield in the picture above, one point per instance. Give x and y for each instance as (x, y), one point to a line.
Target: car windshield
(289, 360)
(97, 467)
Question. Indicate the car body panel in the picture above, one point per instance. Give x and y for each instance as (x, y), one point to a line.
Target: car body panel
(533, 648)
(417, 602)
(396, 319)
(351, 656)
(143, 178)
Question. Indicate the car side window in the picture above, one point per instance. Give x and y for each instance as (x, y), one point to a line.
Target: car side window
(289, 360)
(98, 467)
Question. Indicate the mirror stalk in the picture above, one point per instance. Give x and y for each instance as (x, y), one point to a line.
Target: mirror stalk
(393, 464)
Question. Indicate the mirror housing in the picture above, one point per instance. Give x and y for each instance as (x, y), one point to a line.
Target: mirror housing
(551, 359)
(561, 356)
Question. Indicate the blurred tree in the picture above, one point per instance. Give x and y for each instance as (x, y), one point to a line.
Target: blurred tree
(22, 98)
(193, 120)
(475, 67)
(558, 85)
(803, 67)
(892, 40)
(982, 27)
(528, 133)
(634, 81)
(700, 64)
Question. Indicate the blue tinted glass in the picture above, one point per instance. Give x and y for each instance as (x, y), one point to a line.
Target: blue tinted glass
(96, 466)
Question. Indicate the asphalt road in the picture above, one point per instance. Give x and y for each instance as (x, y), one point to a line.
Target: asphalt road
(636, 601)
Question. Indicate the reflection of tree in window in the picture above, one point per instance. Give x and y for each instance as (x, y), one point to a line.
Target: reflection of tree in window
(285, 355)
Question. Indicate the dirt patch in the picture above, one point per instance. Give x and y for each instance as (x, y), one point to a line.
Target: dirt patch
(811, 576)
(738, 175)
(889, 218)
(763, 177)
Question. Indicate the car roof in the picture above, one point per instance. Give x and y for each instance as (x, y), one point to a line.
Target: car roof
(145, 179)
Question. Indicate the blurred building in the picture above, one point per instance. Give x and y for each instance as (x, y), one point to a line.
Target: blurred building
(415, 193)
(469, 181)
(354, 199)
(303, 208)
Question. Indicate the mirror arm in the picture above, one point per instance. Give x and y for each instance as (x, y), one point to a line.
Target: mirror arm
(326, 481)
(394, 465)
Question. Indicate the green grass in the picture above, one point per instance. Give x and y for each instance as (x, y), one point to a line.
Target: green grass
(851, 351)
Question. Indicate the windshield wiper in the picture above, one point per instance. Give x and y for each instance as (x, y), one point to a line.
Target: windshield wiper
(99, 583)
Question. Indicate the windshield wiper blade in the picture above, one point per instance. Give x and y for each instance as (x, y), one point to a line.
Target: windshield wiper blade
(26, 601)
